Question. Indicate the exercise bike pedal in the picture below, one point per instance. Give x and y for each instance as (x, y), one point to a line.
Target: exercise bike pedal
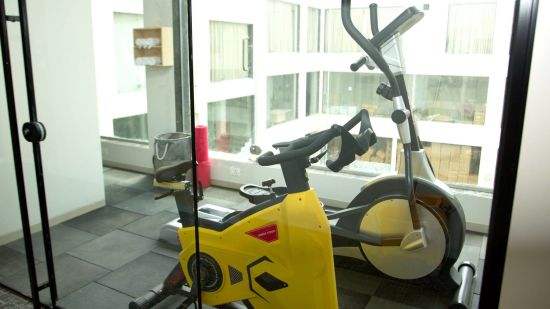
(415, 240)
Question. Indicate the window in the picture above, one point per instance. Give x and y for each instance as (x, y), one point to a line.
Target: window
(451, 163)
(459, 99)
(230, 51)
(313, 30)
(312, 93)
(470, 28)
(283, 26)
(132, 127)
(337, 40)
(348, 93)
(231, 124)
(375, 161)
(282, 99)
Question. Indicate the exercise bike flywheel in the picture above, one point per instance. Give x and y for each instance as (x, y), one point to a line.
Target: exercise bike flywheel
(392, 218)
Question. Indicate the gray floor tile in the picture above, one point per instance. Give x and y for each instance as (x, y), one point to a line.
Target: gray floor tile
(104, 220)
(479, 277)
(357, 282)
(129, 179)
(12, 262)
(411, 295)
(380, 303)
(94, 296)
(71, 274)
(140, 275)
(475, 301)
(351, 300)
(483, 248)
(473, 239)
(146, 204)
(223, 194)
(63, 239)
(168, 250)
(115, 194)
(470, 254)
(150, 226)
(114, 249)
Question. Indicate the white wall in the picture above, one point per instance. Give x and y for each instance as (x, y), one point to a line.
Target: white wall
(527, 271)
(64, 79)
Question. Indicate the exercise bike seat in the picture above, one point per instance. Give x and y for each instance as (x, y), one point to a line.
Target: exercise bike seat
(259, 194)
(173, 172)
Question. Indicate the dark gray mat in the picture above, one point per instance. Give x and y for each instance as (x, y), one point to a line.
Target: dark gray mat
(140, 275)
(149, 226)
(63, 239)
(11, 262)
(95, 296)
(71, 274)
(146, 204)
(104, 220)
(115, 194)
(114, 249)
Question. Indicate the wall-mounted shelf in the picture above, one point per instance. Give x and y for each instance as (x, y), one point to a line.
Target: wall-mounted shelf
(154, 46)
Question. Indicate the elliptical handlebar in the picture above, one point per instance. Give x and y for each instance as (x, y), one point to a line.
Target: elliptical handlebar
(368, 47)
(308, 145)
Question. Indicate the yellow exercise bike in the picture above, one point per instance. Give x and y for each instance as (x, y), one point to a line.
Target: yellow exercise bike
(276, 254)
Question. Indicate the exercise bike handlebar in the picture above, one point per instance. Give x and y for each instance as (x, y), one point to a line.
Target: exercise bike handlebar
(310, 144)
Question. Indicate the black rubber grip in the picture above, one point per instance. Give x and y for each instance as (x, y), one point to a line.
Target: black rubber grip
(302, 147)
(151, 298)
(358, 64)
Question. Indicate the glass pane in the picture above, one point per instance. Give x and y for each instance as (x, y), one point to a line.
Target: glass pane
(312, 93)
(127, 114)
(376, 160)
(130, 77)
(231, 125)
(230, 51)
(313, 30)
(470, 28)
(460, 99)
(337, 40)
(283, 26)
(282, 99)
(451, 163)
(348, 93)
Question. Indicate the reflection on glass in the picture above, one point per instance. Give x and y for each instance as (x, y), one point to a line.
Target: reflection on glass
(471, 28)
(376, 160)
(282, 99)
(130, 77)
(348, 93)
(459, 99)
(127, 116)
(312, 93)
(337, 39)
(230, 51)
(313, 30)
(231, 124)
(451, 163)
(283, 26)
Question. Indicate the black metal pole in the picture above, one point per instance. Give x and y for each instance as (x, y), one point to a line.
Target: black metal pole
(36, 150)
(16, 148)
(515, 100)
(193, 148)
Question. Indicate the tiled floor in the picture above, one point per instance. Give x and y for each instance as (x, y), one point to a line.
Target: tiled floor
(109, 256)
